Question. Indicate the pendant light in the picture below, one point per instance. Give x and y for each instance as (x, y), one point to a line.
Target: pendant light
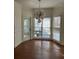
(39, 14)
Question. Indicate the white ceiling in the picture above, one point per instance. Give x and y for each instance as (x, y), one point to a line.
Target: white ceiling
(44, 3)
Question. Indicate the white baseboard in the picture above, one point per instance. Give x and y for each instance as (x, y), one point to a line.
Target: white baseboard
(15, 45)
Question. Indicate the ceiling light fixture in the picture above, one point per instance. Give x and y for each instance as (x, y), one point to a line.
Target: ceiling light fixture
(39, 14)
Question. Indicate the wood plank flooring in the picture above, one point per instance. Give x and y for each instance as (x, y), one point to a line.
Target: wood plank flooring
(37, 49)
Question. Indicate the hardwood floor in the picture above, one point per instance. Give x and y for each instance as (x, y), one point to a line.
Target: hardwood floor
(37, 49)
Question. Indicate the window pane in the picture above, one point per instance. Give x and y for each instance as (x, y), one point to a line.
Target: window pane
(56, 28)
(26, 25)
(46, 27)
(46, 22)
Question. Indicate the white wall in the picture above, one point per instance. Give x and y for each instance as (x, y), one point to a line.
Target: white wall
(57, 11)
(17, 23)
(19, 13)
(46, 11)
(27, 12)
